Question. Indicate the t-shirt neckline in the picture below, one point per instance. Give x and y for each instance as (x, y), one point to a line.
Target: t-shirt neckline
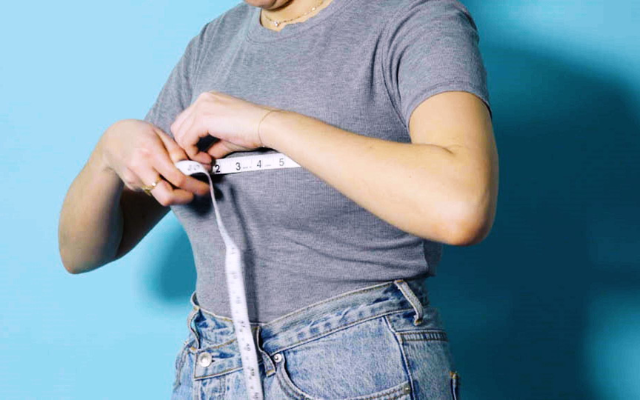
(258, 33)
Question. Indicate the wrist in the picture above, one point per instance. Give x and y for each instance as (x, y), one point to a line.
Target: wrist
(100, 156)
(268, 127)
(102, 174)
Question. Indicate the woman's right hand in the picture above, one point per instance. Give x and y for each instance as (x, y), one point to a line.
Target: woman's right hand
(140, 152)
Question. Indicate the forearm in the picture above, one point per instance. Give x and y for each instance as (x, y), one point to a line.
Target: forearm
(91, 220)
(421, 189)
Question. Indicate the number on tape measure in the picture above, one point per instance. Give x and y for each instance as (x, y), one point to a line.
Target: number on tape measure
(252, 163)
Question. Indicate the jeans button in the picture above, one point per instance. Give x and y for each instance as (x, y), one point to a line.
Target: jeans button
(277, 358)
(205, 359)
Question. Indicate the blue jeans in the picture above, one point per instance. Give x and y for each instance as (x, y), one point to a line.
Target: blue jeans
(380, 342)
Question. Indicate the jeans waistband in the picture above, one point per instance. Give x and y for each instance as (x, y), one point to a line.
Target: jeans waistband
(308, 322)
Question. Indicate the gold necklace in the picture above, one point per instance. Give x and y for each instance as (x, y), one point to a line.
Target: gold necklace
(276, 23)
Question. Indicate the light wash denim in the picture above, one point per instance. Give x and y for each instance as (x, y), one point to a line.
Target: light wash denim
(380, 342)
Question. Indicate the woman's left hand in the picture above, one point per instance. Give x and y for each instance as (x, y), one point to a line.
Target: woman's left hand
(232, 120)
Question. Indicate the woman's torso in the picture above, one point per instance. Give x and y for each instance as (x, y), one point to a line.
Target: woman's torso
(301, 239)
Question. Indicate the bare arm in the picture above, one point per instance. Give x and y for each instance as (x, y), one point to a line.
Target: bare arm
(91, 231)
(441, 187)
(102, 218)
(91, 221)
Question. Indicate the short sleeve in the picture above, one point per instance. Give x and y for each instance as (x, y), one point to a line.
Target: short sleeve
(430, 47)
(177, 91)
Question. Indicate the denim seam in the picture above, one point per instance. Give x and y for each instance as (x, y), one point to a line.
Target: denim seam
(288, 390)
(420, 336)
(226, 371)
(215, 346)
(181, 361)
(361, 320)
(265, 324)
(405, 362)
(293, 391)
(350, 293)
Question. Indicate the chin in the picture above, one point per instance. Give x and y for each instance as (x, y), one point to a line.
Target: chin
(267, 4)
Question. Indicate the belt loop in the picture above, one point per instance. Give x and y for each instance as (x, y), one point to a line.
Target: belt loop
(269, 368)
(412, 298)
(192, 315)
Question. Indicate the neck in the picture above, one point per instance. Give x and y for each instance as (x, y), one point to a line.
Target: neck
(293, 11)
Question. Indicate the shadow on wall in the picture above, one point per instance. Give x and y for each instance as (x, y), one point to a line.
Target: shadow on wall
(175, 278)
(519, 306)
(529, 310)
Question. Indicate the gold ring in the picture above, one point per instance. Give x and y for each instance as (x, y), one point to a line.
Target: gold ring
(148, 189)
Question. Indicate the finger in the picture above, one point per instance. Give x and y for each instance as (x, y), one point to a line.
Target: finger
(166, 167)
(176, 153)
(219, 149)
(183, 140)
(192, 130)
(179, 121)
(167, 195)
(186, 113)
(163, 192)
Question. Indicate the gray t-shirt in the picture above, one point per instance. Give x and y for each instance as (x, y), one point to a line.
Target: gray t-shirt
(360, 65)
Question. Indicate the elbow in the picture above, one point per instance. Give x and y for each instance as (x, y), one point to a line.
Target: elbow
(66, 262)
(68, 266)
(472, 220)
(468, 234)
(64, 256)
(73, 260)
(72, 271)
(78, 267)
(472, 227)
(70, 261)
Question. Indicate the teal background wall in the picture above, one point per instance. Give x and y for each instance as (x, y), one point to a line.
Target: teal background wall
(547, 307)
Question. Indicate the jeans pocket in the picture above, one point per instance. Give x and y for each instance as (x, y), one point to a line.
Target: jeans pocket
(426, 351)
(361, 361)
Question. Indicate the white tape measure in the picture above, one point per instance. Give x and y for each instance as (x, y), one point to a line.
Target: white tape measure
(233, 260)
(252, 163)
